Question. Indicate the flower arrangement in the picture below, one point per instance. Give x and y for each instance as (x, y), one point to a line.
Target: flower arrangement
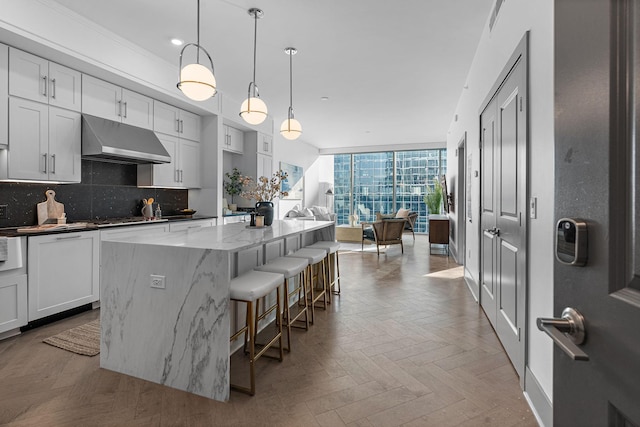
(265, 189)
(233, 186)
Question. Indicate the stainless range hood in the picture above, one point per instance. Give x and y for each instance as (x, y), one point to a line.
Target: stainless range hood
(111, 141)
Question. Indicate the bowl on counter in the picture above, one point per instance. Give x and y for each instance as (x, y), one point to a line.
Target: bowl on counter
(187, 211)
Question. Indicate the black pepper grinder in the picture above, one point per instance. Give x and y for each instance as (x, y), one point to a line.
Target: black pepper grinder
(253, 219)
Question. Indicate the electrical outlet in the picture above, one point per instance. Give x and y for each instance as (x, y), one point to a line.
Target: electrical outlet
(157, 281)
(3, 211)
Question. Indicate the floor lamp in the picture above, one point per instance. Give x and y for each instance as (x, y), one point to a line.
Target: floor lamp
(327, 194)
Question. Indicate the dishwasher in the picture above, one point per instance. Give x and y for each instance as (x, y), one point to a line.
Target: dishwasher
(13, 286)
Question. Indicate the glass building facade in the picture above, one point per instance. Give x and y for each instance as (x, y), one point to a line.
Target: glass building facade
(367, 183)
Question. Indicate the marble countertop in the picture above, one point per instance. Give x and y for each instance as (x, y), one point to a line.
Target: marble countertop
(229, 237)
(13, 231)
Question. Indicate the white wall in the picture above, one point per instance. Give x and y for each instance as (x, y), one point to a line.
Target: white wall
(297, 153)
(515, 18)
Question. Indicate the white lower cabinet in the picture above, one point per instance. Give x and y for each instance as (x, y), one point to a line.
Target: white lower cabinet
(125, 232)
(13, 302)
(63, 272)
(191, 224)
(13, 287)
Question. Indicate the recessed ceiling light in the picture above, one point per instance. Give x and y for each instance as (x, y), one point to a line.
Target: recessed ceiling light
(324, 98)
(177, 42)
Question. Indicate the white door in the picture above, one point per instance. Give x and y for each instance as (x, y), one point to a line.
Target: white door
(137, 110)
(28, 76)
(189, 126)
(64, 145)
(190, 164)
(101, 99)
(63, 272)
(4, 94)
(165, 118)
(167, 174)
(64, 87)
(504, 202)
(29, 140)
(597, 161)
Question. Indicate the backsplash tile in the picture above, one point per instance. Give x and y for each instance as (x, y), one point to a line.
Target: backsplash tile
(107, 190)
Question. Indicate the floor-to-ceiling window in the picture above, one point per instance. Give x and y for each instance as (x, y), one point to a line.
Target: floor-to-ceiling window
(367, 183)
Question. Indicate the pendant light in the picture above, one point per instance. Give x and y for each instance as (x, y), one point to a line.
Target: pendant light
(291, 128)
(196, 81)
(253, 109)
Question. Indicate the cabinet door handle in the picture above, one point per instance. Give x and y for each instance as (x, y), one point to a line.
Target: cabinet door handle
(181, 126)
(53, 163)
(119, 108)
(77, 236)
(177, 175)
(53, 88)
(44, 156)
(44, 79)
(178, 125)
(181, 175)
(125, 110)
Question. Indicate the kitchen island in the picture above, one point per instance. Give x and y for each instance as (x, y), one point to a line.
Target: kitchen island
(165, 313)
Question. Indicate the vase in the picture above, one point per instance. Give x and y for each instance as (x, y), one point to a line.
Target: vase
(266, 209)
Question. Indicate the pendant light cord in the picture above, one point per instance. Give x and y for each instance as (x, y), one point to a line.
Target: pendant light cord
(198, 35)
(255, 43)
(291, 83)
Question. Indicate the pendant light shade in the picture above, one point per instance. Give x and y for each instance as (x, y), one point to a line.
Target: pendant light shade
(291, 128)
(253, 110)
(197, 81)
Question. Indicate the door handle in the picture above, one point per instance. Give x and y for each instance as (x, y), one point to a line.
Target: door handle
(44, 156)
(53, 88)
(125, 110)
(44, 79)
(53, 163)
(119, 108)
(567, 332)
(493, 231)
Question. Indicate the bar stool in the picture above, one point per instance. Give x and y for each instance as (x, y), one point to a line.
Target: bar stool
(332, 249)
(315, 257)
(290, 268)
(249, 288)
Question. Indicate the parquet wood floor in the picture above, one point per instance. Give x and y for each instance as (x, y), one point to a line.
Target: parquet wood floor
(404, 345)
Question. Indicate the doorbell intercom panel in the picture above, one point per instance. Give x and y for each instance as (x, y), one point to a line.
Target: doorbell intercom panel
(571, 241)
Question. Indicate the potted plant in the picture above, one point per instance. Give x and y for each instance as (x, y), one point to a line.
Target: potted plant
(433, 198)
(233, 186)
(264, 191)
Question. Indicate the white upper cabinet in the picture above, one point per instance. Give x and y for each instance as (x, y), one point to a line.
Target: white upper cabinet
(38, 79)
(109, 101)
(174, 121)
(233, 140)
(182, 172)
(44, 143)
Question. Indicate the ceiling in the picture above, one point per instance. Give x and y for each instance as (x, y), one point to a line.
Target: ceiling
(392, 70)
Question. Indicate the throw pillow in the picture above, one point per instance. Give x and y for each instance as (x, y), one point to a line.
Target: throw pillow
(319, 210)
(323, 217)
(402, 213)
(307, 212)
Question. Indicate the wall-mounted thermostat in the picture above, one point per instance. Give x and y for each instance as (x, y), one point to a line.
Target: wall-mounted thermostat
(571, 241)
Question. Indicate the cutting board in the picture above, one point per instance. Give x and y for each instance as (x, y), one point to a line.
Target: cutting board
(50, 209)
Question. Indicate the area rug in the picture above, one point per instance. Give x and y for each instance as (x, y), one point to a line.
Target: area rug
(84, 339)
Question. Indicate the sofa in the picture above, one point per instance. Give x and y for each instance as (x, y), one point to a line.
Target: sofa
(314, 213)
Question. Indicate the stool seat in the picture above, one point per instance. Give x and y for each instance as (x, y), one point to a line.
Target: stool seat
(313, 255)
(254, 284)
(286, 266)
(331, 247)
